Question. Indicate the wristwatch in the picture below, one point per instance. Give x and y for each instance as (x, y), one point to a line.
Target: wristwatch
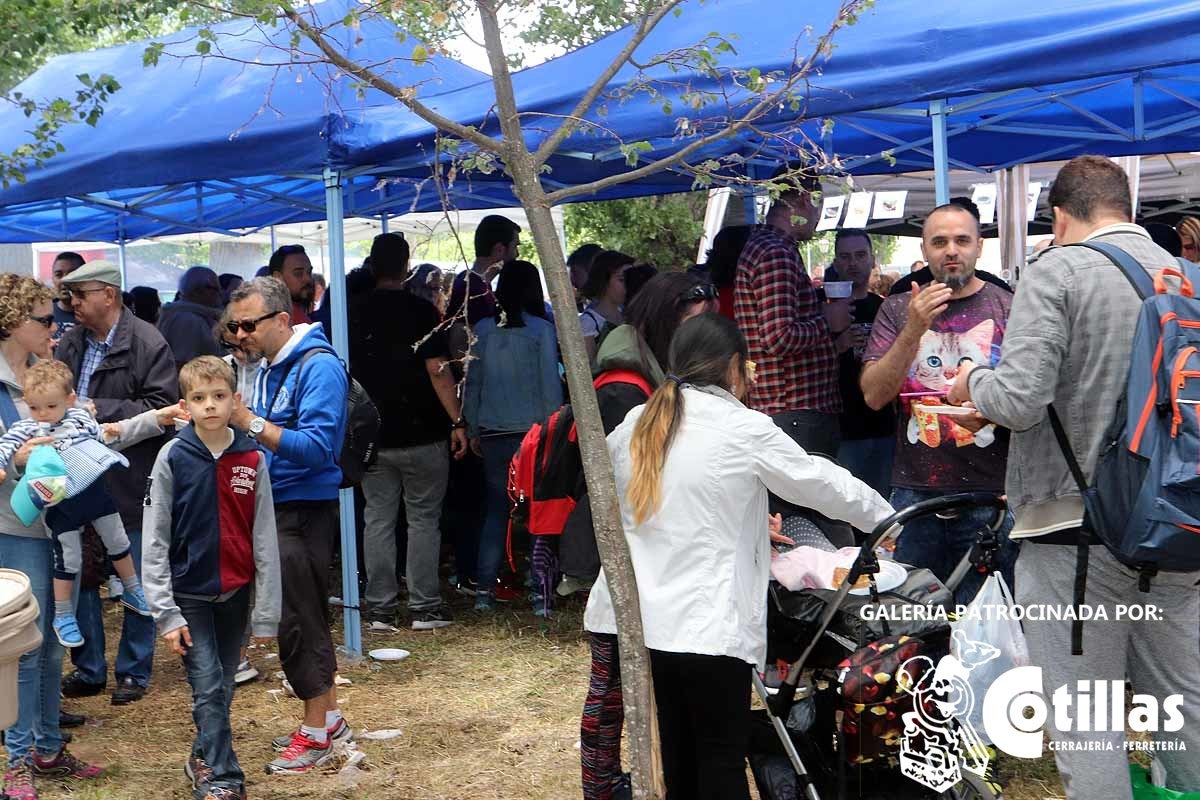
(257, 426)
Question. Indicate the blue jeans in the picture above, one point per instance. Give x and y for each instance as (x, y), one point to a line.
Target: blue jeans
(869, 460)
(211, 662)
(39, 671)
(493, 535)
(135, 655)
(939, 544)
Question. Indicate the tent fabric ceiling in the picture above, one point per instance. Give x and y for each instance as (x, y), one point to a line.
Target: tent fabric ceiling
(198, 138)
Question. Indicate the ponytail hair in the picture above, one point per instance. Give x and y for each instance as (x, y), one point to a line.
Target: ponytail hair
(700, 354)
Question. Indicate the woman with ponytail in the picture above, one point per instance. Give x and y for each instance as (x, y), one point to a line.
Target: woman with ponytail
(693, 468)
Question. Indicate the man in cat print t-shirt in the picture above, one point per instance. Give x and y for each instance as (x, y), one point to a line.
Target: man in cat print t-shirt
(917, 343)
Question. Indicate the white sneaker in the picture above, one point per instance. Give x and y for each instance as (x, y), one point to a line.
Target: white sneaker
(378, 626)
(245, 673)
(115, 588)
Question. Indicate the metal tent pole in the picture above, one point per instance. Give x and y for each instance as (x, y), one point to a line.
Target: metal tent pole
(121, 255)
(336, 277)
(383, 223)
(941, 151)
(274, 246)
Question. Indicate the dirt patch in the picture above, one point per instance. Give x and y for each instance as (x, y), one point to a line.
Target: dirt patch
(488, 708)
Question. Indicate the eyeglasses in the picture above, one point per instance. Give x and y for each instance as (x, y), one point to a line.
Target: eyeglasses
(81, 294)
(46, 321)
(704, 291)
(248, 325)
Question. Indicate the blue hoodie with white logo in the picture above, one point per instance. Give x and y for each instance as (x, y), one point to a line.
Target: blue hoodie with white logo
(311, 408)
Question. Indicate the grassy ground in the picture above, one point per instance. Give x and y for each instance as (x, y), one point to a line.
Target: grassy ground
(488, 708)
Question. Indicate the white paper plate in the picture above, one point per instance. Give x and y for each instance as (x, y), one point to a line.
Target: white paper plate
(890, 576)
(389, 654)
(949, 411)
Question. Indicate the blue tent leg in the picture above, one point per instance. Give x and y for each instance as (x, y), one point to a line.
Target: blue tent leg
(337, 295)
(941, 151)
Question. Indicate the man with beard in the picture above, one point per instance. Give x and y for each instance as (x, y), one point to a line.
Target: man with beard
(917, 343)
(290, 264)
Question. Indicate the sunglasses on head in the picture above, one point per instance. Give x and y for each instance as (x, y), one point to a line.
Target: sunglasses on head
(46, 321)
(704, 291)
(248, 325)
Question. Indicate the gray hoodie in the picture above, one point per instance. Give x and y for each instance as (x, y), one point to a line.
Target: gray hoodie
(1069, 340)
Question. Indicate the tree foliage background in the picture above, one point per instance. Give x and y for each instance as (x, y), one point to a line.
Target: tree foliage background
(663, 231)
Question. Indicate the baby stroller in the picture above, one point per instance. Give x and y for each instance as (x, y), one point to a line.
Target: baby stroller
(838, 716)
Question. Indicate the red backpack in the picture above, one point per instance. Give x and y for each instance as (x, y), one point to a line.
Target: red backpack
(543, 476)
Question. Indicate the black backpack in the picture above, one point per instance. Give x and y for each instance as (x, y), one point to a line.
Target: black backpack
(362, 423)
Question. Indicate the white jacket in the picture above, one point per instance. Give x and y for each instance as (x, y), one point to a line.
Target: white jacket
(702, 561)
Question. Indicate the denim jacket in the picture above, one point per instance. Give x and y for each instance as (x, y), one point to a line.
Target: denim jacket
(513, 381)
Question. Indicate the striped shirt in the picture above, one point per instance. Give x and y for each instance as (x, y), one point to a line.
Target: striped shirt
(778, 311)
(93, 355)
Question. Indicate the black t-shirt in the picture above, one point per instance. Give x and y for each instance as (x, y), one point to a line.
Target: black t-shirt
(925, 275)
(385, 327)
(860, 421)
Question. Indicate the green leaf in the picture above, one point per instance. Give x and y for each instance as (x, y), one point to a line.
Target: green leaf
(203, 47)
(419, 54)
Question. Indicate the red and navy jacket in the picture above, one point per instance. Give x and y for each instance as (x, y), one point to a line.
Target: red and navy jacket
(212, 543)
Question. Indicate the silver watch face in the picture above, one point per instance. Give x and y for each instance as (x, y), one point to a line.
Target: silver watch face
(257, 425)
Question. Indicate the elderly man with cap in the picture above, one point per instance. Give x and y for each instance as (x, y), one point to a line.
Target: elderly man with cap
(124, 366)
(187, 323)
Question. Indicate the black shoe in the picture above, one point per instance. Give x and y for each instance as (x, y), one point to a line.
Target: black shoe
(127, 692)
(68, 720)
(75, 686)
(66, 736)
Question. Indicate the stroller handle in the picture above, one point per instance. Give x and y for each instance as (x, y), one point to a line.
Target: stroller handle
(866, 560)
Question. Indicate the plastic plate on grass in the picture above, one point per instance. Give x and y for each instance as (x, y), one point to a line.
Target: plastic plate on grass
(389, 654)
(949, 411)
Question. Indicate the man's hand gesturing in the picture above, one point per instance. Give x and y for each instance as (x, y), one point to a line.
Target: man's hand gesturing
(927, 305)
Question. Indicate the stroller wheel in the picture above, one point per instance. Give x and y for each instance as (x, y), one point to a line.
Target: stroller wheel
(973, 787)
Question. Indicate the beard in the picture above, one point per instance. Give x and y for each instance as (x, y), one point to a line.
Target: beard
(957, 281)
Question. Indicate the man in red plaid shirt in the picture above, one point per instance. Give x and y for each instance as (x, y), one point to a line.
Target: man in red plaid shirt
(791, 332)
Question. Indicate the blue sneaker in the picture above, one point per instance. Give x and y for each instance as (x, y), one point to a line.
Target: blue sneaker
(135, 601)
(484, 601)
(66, 628)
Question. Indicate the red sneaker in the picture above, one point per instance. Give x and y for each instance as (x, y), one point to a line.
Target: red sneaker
(301, 756)
(18, 783)
(64, 765)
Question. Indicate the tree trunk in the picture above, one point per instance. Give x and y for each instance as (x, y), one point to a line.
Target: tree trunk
(638, 692)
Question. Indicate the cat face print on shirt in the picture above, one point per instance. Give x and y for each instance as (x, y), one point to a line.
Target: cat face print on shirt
(940, 355)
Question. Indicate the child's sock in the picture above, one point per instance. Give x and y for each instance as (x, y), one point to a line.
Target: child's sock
(62, 608)
(131, 583)
(332, 717)
(318, 735)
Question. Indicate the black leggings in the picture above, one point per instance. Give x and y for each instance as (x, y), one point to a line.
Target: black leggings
(704, 721)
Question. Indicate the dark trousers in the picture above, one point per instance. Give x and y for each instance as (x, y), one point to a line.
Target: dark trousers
(817, 432)
(603, 719)
(308, 532)
(135, 654)
(704, 722)
(216, 630)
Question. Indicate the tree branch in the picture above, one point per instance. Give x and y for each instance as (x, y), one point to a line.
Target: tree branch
(405, 96)
(569, 125)
(735, 127)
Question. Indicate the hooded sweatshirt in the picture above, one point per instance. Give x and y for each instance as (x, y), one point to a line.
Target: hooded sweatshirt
(620, 350)
(210, 530)
(188, 329)
(309, 403)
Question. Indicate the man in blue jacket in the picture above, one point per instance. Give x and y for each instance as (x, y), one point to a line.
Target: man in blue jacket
(297, 415)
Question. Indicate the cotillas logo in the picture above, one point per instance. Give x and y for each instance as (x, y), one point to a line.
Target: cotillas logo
(940, 742)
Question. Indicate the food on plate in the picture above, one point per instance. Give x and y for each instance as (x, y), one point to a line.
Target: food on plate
(841, 573)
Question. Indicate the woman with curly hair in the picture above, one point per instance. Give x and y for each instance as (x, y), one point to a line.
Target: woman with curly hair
(34, 742)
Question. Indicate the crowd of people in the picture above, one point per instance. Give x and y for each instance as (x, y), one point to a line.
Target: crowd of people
(198, 446)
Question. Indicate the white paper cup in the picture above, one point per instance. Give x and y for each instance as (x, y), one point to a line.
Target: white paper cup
(839, 290)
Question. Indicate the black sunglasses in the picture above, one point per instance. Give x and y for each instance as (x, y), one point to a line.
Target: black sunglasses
(248, 325)
(81, 294)
(705, 291)
(47, 320)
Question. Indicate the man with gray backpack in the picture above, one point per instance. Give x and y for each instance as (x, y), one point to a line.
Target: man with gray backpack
(1100, 395)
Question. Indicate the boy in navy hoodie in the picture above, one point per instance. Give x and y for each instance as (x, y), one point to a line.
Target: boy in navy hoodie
(210, 532)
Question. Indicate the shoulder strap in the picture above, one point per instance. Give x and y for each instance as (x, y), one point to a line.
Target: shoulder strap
(1134, 272)
(8, 409)
(299, 364)
(622, 376)
(1064, 444)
